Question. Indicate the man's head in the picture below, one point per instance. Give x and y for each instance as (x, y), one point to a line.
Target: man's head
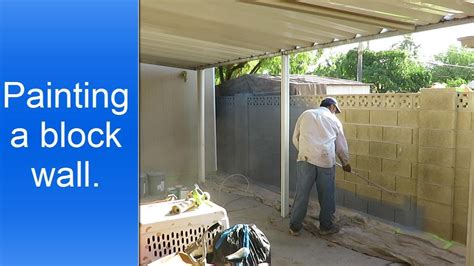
(331, 104)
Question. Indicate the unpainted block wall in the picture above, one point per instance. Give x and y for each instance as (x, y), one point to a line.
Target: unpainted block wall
(418, 145)
(383, 135)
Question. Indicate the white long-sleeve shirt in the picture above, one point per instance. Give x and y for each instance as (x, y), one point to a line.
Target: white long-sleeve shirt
(318, 137)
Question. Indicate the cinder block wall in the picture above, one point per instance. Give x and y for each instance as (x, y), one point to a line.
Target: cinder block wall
(382, 131)
(418, 145)
(462, 170)
(437, 161)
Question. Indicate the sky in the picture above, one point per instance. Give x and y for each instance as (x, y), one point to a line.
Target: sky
(431, 42)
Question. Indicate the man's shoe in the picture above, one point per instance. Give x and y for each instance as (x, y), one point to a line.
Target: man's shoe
(294, 233)
(333, 230)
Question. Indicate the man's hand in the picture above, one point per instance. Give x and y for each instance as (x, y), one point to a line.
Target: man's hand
(347, 168)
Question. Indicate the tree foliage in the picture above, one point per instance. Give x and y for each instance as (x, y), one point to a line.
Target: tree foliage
(456, 68)
(392, 70)
(408, 45)
(299, 64)
(396, 70)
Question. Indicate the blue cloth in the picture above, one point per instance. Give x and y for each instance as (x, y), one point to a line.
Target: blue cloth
(245, 241)
(307, 175)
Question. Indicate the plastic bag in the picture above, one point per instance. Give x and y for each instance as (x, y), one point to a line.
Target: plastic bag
(243, 244)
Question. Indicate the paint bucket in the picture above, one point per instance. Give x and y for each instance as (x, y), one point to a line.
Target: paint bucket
(178, 191)
(156, 183)
(173, 190)
(183, 193)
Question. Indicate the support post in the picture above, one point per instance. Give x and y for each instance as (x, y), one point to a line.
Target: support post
(201, 128)
(285, 133)
(360, 54)
(213, 106)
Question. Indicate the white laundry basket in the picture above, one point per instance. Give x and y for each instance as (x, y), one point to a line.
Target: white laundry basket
(162, 234)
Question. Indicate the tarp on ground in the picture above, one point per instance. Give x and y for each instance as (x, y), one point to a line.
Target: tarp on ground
(363, 233)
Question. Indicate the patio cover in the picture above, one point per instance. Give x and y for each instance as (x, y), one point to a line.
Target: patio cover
(200, 34)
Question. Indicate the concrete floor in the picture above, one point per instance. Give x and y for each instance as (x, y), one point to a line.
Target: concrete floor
(305, 249)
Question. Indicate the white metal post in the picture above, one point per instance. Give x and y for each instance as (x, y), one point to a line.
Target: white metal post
(285, 135)
(201, 126)
(213, 106)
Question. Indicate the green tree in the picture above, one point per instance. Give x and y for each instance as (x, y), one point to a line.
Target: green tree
(407, 44)
(299, 64)
(387, 70)
(456, 68)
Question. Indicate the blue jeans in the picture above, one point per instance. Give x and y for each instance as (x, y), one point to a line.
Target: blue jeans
(307, 174)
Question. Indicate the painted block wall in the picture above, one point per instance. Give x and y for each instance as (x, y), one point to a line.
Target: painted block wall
(418, 145)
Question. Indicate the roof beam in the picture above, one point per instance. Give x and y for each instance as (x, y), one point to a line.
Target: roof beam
(181, 25)
(387, 34)
(160, 48)
(333, 13)
(149, 36)
(167, 61)
(401, 11)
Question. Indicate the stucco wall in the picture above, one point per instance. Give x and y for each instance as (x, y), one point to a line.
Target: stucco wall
(169, 122)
